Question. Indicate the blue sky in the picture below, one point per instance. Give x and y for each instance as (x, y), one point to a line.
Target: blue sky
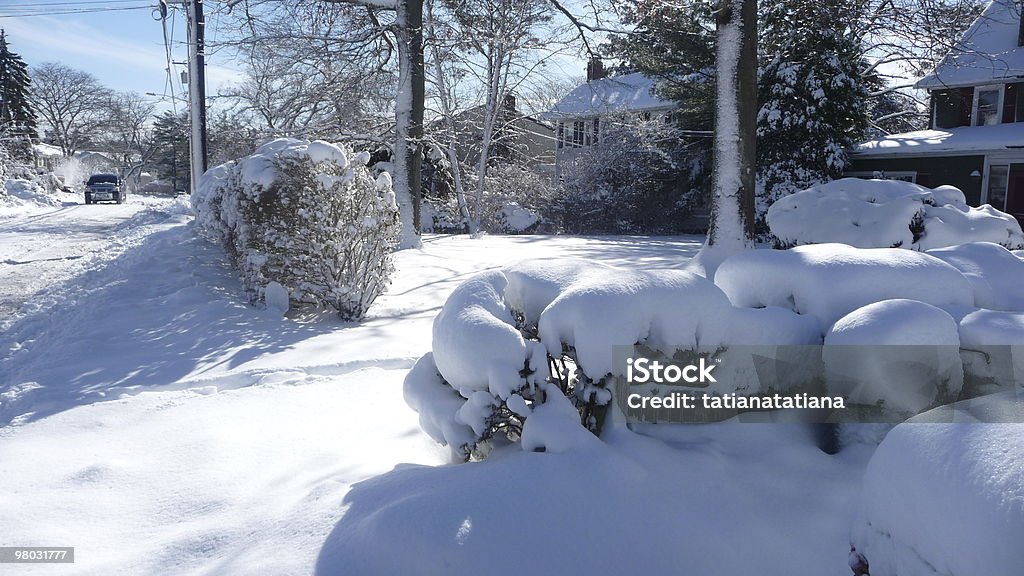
(123, 49)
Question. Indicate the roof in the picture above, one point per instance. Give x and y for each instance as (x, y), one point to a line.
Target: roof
(987, 52)
(963, 139)
(629, 92)
(46, 150)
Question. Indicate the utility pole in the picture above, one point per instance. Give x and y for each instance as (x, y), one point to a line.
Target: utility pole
(197, 89)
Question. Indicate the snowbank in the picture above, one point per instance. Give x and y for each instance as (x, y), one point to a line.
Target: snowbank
(995, 274)
(887, 213)
(20, 196)
(828, 281)
(993, 349)
(945, 499)
(898, 355)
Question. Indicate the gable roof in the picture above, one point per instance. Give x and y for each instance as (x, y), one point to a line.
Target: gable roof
(987, 52)
(629, 92)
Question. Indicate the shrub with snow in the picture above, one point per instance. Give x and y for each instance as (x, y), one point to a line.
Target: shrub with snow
(946, 498)
(828, 281)
(887, 213)
(899, 355)
(298, 213)
(995, 274)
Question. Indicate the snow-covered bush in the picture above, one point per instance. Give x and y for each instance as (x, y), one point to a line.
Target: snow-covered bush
(902, 356)
(639, 178)
(995, 274)
(887, 213)
(828, 281)
(300, 214)
(945, 498)
(518, 200)
(992, 349)
(506, 340)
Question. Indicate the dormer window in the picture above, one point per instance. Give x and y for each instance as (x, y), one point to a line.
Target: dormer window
(988, 103)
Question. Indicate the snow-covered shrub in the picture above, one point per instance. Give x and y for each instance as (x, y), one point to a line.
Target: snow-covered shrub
(828, 281)
(506, 340)
(899, 355)
(300, 214)
(945, 498)
(992, 349)
(995, 274)
(639, 178)
(517, 200)
(887, 213)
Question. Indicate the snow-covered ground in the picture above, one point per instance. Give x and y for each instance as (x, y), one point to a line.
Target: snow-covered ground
(159, 425)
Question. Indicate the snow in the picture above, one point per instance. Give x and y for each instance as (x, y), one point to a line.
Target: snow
(995, 274)
(665, 309)
(828, 281)
(475, 342)
(628, 92)
(259, 170)
(946, 498)
(518, 219)
(961, 140)
(899, 355)
(987, 53)
(217, 437)
(275, 296)
(882, 213)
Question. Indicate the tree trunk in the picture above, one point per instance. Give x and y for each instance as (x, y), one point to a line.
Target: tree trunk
(409, 108)
(732, 213)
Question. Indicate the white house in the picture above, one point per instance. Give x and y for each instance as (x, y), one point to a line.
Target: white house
(976, 136)
(577, 116)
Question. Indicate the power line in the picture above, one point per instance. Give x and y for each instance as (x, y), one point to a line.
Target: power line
(68, 4)
(82, 11)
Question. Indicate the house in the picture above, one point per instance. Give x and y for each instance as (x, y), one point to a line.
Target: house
(577, 116)
(46, 157)
(519, 139)
(975, 139)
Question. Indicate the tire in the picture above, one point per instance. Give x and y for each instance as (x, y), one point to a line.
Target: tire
(120, 198)
(88, 199)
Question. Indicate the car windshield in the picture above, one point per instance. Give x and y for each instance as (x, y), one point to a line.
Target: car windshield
(103, 179)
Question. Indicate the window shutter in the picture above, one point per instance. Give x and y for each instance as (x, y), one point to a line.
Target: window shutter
(966, 106)
(1010, 103)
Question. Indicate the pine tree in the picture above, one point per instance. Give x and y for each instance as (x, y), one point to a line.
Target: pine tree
(813, 96)
(170, 136)
(17, 120)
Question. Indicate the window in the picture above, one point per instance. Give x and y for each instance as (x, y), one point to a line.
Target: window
(987, 105)
(998, 179)
(561, 134)
(952, 108)
(579, 129)
(597, 130)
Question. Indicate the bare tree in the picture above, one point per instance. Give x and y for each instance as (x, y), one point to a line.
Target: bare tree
(128, 132)
(71, 102)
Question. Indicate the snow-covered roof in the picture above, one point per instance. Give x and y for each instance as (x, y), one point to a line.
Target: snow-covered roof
(46, 150)
(629, 92)
(963, 139)
(988, 51)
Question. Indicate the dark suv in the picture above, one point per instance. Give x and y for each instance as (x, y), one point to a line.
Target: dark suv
(105, 187)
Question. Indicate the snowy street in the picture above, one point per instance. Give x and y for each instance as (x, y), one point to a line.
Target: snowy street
(42, 249)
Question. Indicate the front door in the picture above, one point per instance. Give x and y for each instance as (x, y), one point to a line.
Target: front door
(1015, 192)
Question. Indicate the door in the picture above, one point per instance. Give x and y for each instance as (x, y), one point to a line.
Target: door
(1015, 192)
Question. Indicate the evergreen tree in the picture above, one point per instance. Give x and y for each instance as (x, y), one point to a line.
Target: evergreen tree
(170, 137)
(813, 96)
(17, 120)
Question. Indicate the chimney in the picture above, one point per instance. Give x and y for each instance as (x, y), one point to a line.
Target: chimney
(1020, 24)
(510, 103)
(595, 69)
